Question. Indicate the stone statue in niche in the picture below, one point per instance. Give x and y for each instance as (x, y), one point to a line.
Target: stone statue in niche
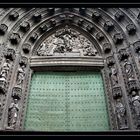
(68, 41)
(13, 114)
(121, 114)
(5, 70)
(21, 74)
(136, 105)
(113, 75)
(128, 70)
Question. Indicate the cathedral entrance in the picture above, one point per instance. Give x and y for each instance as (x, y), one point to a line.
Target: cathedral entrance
(66, 101)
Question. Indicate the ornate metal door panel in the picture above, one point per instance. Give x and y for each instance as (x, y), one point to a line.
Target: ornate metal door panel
(87, 107)
(66, 101)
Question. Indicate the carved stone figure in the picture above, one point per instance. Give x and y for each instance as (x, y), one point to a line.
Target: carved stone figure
(89, 51)
(13, 114)
(113, 75)
(5, 70)
(136, 104)
(121, 114)
(43, 50)
(21, 74)
(128, 70)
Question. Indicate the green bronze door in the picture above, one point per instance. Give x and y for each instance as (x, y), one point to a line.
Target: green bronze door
(66, 101)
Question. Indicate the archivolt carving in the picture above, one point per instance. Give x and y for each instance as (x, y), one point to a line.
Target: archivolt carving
(67, 41)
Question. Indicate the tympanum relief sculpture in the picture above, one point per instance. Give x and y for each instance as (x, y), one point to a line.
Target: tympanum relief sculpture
(66, 41)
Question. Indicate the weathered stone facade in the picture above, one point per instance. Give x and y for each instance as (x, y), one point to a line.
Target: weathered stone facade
(33, 39)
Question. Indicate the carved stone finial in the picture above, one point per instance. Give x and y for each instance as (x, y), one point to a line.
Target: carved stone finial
(107, 47)
(14, 16)
(131, 29)
(118, 38)
(99, 36)
(26, 48)
(14, 38)
(37, 17)
(96, 16)
(33, 37)
(108, 26)
(3, 29)
(119, 16)
(25, 26)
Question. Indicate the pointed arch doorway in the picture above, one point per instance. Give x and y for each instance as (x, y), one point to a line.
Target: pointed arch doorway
(66, 89)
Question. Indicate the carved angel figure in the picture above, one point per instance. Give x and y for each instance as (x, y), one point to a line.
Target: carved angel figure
(13, 114)
(20, 75)
(5, 70)
(128, 70)
(121, 112)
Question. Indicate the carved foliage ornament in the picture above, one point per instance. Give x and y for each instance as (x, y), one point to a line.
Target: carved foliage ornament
(3, 29)
(14, 38)
(110, 61)
(123, 54)
(65, 41)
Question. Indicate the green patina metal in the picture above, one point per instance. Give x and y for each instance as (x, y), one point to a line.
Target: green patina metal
(66, 101)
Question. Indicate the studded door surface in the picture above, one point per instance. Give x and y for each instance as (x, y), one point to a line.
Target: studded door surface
(66, 101)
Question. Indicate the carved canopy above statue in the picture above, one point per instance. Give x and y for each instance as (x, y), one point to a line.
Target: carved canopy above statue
(66, 42)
